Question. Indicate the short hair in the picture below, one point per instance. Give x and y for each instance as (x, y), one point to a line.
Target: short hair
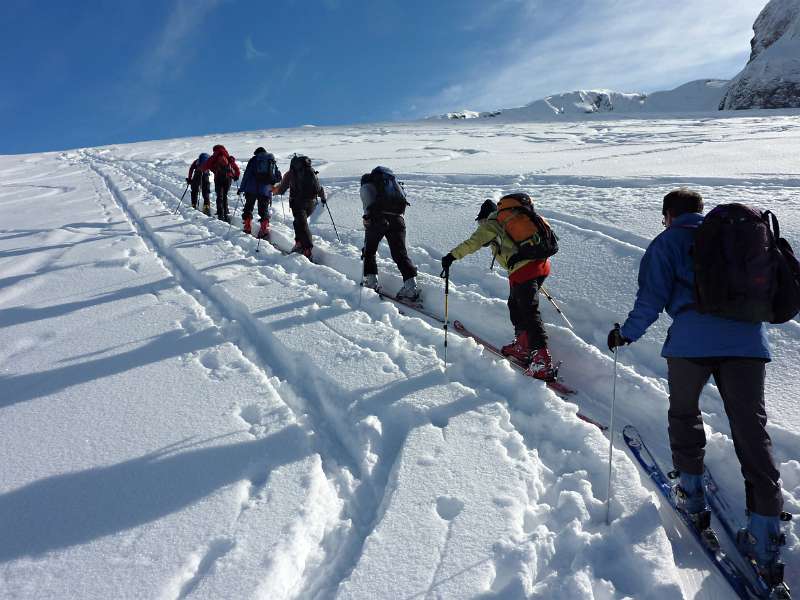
(681, 201)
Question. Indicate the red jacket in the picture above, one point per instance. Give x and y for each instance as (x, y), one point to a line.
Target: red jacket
(218, 162)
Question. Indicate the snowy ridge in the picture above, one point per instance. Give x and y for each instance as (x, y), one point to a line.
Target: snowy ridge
(271, 430)
(703, 95)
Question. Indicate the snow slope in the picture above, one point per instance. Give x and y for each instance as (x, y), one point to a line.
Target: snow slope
(187, 418)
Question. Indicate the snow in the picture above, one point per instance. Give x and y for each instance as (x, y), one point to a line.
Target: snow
(186, 418)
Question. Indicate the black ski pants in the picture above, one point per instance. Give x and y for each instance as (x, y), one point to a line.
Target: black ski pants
(393, 228)
(301, 210)
(741, 384)
(249, 203)
(221, 187)
(523, 308)
(199, 183)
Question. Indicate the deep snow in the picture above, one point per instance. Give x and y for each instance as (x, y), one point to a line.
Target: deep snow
(183, 417)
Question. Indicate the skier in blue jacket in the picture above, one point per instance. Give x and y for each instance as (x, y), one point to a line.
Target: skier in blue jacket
(259, 175)
(697, 347)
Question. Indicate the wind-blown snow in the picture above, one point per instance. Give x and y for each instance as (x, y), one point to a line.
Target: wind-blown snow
(185, 418)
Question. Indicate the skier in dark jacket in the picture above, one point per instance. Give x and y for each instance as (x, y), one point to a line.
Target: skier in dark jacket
(259, 175)
(697, 347)
(225, 170)
(380, 222)
(199, 180)
(304, 189)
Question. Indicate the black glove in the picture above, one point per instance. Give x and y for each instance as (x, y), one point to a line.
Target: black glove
(616, 339)
(447, 260)
(188, 180)
(239, 192)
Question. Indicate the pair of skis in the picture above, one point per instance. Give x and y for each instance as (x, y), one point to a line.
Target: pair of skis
(554, 384)
(748, 582)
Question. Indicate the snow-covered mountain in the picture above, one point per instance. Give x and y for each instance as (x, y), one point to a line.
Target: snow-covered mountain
(703, 95)
(771, 78)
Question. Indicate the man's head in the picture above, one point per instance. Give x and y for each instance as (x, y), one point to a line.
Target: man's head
(487, 208)
(259, 150)
(681, 201)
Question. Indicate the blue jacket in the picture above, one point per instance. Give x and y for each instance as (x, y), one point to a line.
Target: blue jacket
(249, 185)
(666, 281)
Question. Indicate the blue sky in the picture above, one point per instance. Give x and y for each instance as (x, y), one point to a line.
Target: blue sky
(99, 72)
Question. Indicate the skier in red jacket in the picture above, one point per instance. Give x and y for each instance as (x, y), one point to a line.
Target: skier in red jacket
(225, 170)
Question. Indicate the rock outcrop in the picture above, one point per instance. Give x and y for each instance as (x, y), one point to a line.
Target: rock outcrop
(771, 78)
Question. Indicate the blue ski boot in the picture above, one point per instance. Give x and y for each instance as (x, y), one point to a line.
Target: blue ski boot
(690, 498)
(761, 542)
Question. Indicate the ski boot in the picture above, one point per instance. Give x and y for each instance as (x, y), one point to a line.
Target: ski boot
(761, 542)
(409, 292)
(541, 365)
(690, 499)
(194, 205)
(246, 225)
(298, 247)
(518, 349)
(207, 209)
(306, 252)
(263, 230)
(371, 282)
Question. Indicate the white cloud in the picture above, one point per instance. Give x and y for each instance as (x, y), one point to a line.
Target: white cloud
(630, 45)
(251, 52)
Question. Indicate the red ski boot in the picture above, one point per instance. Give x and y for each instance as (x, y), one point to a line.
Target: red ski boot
(247, 222)
(518, 349)
(263, 231)
(541, 366)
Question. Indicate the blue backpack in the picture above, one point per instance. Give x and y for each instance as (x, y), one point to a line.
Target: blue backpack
(266, 169)
(391, 197)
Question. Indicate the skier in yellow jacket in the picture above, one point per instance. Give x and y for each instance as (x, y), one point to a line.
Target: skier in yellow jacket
(525, 276)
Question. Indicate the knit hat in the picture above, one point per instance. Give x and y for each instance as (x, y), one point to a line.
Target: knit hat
(259, 150)
(487, 208)
(682, 201)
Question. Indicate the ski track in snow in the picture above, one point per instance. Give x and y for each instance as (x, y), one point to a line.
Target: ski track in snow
(621, 244)
(380, 473)
(380, 495)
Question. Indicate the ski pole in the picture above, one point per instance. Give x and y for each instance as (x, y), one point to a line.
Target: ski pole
(230, 222)
(558, 310)
(611, 434)
(332, 222)
(361, 285)
(181, 200)
(446, 274)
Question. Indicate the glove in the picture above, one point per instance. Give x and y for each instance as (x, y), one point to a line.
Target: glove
(188, 180)
(447, 260)
(366, 221)
(616, 339)
(324, 202)
(239, 192)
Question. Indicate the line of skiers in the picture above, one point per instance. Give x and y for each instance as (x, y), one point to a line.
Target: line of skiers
(261, 180)
(719, 279)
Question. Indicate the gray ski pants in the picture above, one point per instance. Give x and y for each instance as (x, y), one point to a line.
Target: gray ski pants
(741, 384)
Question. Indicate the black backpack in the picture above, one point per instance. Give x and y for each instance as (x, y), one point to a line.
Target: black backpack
(266, 169)
(390, 195)
(305, 184)
(743, 270)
